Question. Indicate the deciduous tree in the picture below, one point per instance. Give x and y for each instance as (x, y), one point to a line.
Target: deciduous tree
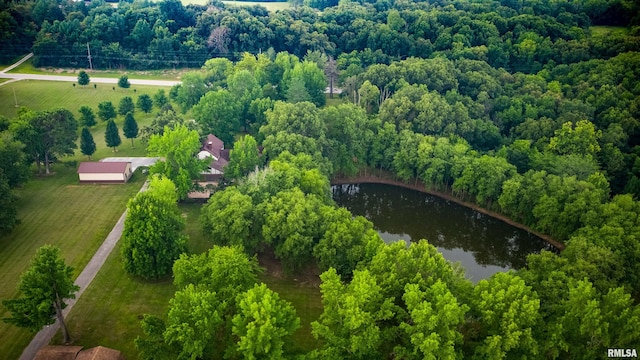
(83, 78)
(123, 82)
(243, 158)
(179, 147)
(106, 111)
(152, 236)
(44, 287)
(144, 103)
(126, 106)
(263, 324)
(87, 117)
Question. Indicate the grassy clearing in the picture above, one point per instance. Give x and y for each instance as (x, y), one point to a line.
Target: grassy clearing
(270, 6)
(161, 74)
(57, 210)
(602, 31)
(45, 95)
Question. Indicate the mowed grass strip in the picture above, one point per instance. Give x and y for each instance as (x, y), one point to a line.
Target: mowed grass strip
(48, 95)
(56, 210)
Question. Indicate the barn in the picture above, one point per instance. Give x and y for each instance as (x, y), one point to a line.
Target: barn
(104, 172)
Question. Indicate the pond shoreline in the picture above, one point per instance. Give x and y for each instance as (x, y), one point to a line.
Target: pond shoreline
(419, 186)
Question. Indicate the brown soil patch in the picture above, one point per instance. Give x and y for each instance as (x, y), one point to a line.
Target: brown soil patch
(307, 276)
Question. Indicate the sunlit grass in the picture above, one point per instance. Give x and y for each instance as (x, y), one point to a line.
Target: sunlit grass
(56, 210)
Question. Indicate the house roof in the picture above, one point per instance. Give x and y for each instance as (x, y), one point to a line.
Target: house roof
(62, 352)
(102, 167)
(58, 352)
(213, 145)
(100, 353)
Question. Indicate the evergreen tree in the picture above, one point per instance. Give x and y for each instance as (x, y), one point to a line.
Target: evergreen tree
(87, 145)
(130, 127)
(111, 135)
(297, 92)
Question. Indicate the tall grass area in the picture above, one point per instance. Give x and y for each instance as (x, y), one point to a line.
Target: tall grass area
(56, 210)
(270, 6)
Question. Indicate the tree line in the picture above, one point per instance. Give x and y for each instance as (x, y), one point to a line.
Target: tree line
(517, 35)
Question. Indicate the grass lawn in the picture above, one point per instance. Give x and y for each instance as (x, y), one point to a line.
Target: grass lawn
(45, 95)
(602, 31)
(162, 74)
(56, 210)
(271, 6)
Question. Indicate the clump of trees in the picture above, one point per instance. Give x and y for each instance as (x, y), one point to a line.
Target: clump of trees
(152, 238)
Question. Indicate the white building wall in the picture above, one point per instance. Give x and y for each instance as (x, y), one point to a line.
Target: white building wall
(117, 177)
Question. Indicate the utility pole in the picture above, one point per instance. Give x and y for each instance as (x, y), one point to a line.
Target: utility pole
(89, 57)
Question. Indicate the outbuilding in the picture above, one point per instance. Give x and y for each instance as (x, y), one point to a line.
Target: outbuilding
(104, 172)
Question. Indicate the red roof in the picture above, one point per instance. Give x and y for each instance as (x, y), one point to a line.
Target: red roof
(103, 167)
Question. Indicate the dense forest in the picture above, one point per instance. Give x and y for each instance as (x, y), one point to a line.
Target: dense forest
(528, 108)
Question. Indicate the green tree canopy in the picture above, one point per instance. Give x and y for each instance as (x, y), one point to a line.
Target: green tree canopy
(263, 324)
(243, 158)
(144, 103)
(123, 82)
(87, 145)
(106, 111)
(152, 236)
(44, 287)
(83, 78)
(112, 135)
(126, 106)
(87, 117)
(179, 147)
(229, 219)
(130, 127)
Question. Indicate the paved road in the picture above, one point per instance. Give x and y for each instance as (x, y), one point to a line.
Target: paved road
(44, 336)
(98, 80)
(94, 79)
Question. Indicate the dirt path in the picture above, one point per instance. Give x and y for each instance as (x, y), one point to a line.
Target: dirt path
(386, 179)
(44, 336)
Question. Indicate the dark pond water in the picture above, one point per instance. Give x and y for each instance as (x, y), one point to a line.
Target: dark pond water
(483, 245)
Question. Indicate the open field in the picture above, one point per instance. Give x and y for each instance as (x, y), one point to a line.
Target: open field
(46, 95)
(165, 74)
(601, 31)
(271, 6)
(57, 210)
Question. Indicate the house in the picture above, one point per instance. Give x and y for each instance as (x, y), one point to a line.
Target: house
(213, 148)
(104, 172)
(61, 352)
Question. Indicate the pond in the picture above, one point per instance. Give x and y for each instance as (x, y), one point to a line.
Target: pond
(482, 244)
